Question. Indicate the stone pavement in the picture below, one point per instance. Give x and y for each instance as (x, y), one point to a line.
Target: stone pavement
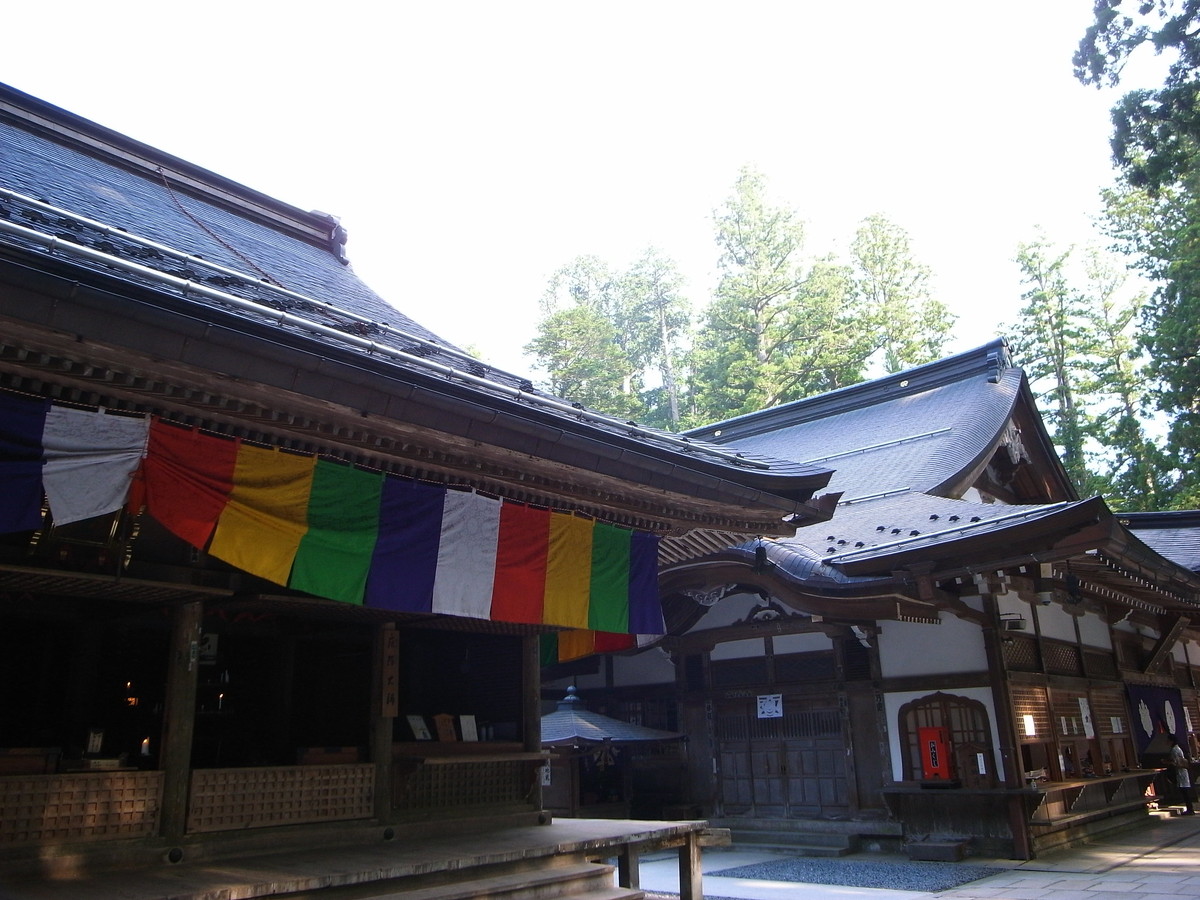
(1157, 861)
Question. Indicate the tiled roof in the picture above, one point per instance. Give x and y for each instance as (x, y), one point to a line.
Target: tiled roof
(890, 524)
(83, 198)
(1174, 535)
(140, 204)
(911, 431)
(894, 443)
(573, 725)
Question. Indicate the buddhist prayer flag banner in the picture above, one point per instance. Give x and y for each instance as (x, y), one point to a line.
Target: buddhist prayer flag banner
(343, 523)
(83, 461)
(332, 530)
(266, 513)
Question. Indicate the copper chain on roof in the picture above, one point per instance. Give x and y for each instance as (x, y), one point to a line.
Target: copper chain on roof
(212, 234)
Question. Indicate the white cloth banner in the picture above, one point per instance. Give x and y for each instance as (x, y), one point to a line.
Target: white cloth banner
(89, 461)
(466, 562)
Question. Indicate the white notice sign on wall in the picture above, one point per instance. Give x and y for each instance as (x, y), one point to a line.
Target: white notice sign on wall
(770, 706)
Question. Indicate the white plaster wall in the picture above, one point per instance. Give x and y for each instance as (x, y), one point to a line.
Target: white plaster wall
(651, 666)
(1008, 603)
(909, 648)
(1056, 622)
(801, 643)
(1093, 631)
(1193, 652)
(893, 702)
(739, 649)
(1126, 626)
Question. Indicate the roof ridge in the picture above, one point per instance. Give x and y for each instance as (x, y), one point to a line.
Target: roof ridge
(991, 359)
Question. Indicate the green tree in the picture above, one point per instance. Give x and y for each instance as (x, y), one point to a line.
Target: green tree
(582, 344)
(773, 331)
(1136, 471)
(1160, 231)
(1056, 349)
(659, 320)
(912, 326)
(1156, 216)
(578, 349)
(1079, 346)
(605, 335)
(1154, 131)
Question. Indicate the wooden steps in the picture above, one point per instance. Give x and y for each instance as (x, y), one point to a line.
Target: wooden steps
(578, 880)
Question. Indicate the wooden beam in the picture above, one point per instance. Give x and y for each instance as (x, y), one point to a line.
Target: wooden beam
(179, 717)
(531, 705)
(1165, 643)
(690, 882)
(385, 674)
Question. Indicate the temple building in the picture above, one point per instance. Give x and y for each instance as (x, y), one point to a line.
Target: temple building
(967, 653)
(275, 560)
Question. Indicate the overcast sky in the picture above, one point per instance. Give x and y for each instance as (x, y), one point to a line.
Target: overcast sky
(472, 148)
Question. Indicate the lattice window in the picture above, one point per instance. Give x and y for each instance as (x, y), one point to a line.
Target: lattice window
(732, 728)
(812, 724)
(1031, 701)
(856, 661)
(1021, 653)
(1100, 665)
(1062, 658)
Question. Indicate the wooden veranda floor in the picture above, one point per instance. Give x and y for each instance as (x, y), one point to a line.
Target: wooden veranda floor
(292, 871)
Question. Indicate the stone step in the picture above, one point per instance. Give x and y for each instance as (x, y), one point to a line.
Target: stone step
(575, 880)
(801, 842)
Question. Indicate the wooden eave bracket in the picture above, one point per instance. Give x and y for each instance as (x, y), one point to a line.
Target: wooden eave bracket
(929, 593)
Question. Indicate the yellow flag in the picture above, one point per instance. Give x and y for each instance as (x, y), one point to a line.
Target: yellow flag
(568, 571)
(260, 528)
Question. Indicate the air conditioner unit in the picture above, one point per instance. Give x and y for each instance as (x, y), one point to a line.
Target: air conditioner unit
(1014, 624)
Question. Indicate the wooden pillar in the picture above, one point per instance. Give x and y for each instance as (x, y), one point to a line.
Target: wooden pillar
(629, 872)
(690, 884)
(385, 685)
(1014, 770)
(531, 706)
(179, 717)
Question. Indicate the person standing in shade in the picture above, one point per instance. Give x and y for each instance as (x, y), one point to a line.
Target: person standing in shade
(1183, 775)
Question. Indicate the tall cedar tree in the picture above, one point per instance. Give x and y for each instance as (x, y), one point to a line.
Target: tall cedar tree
(773, 331)
(912, 326)
(1079, 348)
(1156, 136)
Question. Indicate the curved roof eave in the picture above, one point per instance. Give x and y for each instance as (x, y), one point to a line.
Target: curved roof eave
(1023, 414)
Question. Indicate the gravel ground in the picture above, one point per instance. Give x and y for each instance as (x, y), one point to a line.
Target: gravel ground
(896, 876)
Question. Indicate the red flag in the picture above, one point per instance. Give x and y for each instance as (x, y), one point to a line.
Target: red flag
(185, 480)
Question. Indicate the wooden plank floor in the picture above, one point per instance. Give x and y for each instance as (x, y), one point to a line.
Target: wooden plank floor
(306, 870)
